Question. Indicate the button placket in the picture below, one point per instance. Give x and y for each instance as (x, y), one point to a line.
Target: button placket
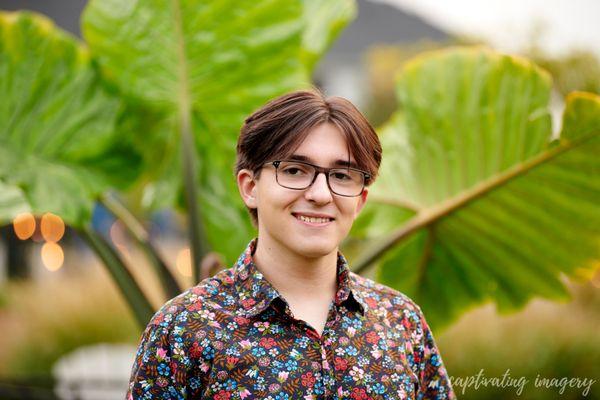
(325, 342)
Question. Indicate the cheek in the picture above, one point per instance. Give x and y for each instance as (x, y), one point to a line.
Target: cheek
(275, 198)
(347, 209)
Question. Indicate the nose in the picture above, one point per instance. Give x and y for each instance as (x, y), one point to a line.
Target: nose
(319, 191)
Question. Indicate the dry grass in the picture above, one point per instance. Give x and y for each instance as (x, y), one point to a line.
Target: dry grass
(546, 338)
(43, 320)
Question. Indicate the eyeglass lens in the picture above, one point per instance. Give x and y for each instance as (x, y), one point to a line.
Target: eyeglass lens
(343, 181)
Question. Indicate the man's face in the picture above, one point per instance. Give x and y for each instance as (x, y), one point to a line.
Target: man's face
(279, 208)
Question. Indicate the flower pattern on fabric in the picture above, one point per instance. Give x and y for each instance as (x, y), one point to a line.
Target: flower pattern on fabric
(234, 337)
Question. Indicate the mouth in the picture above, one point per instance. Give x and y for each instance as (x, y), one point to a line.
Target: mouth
(313, 221)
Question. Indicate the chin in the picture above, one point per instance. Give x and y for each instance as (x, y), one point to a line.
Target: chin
(314, 248)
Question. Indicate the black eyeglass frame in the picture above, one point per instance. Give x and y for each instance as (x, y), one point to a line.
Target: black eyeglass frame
(318, 170)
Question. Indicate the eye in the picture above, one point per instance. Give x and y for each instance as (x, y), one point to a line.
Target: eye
(340, 176)
(294, 170)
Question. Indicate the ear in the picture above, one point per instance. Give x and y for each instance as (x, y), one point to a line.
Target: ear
(362, 200)
(247, 187)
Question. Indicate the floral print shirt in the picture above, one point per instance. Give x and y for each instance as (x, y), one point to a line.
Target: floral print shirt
(234, 337)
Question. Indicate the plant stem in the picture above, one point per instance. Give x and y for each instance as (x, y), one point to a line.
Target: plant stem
(415, 223)
(196, 231)
(135, 297)
(427, 216)
(135, 228)
(198, 243)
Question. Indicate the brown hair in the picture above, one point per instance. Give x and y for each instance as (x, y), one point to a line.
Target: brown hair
(277, 129)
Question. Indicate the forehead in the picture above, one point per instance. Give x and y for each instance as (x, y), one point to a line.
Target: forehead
(324, 145)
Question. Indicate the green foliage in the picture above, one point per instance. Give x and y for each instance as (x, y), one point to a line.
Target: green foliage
(58, 148)
(475, 202)
(324, 21)
(12, 202)
(167, 71)
(487, 206)
(206, 64)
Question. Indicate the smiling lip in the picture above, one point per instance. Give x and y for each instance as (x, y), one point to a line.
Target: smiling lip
(319, 224)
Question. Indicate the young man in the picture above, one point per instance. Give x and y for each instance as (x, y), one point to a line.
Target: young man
(289, 320)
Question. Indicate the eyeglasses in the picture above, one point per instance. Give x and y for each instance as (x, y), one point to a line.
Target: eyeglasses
(299, 175)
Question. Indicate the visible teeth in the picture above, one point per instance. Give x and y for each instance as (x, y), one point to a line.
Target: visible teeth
(312, 219)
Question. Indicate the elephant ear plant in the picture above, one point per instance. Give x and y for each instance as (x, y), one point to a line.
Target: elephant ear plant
(477, 200)
(153, 102)
(58, 148)
(200, 67)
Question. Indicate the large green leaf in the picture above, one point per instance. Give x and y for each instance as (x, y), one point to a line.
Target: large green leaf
(57, 142)
(12, 202)
(324, 21)
(479, 203)
(206, 64)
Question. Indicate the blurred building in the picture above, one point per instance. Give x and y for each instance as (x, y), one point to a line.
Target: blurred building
(65, 13)
(342, 71)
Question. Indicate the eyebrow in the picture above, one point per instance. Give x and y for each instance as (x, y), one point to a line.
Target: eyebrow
(336, 163)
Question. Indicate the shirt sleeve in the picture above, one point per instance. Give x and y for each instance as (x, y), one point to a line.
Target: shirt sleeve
(167, 364)
(434, 382)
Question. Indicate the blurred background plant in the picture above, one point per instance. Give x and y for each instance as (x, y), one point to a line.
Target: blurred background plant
(131, 189)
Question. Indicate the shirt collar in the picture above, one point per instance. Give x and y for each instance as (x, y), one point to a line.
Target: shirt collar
(256, 293)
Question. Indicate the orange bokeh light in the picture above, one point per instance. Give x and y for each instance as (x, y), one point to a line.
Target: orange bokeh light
(52, 256)
(24, 225)
(52, 227)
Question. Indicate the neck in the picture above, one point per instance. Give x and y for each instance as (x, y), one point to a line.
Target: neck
(293, 275)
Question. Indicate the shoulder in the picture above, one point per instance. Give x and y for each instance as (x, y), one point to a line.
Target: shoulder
(197, 304)
(380, 293)
(388, 302)
(178, 339)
